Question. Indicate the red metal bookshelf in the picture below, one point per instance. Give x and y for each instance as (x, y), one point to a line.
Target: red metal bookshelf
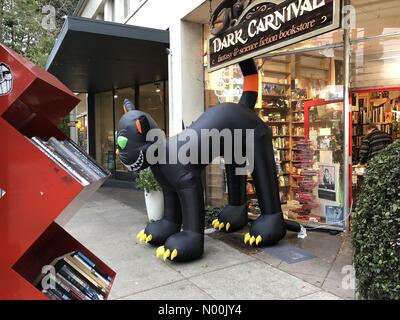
(40, 195)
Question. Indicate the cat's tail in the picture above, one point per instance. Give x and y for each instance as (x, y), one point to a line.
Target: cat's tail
(250, 83)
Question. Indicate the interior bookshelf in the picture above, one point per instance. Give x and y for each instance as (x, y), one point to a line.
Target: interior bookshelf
(46, 179)
(379, 108)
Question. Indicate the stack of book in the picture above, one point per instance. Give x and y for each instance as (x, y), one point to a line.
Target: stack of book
(378, 113)
(280, 130)
(71, 158)
(280, 143)
(75, 277)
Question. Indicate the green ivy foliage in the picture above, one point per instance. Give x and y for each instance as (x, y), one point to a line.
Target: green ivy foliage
(376, 228)
(21, 26)
(211, 213)
(145, 181)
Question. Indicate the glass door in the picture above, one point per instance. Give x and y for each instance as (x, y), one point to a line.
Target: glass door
(104, 119)
(318, 165)
(152, 99)
(121, 172)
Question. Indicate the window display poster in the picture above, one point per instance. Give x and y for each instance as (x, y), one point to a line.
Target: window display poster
(334, 216)
(327, 182)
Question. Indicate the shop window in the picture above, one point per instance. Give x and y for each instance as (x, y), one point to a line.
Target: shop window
(329, 39)
(121, 172)
(152, 99)
(79, 131)
(288, 84)
(82, 131)
(375, 18)
(225, 85)
(105, 145)
(377, 107)
(376, 63)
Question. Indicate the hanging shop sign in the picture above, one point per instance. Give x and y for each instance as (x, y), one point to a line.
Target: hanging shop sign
(251, 28)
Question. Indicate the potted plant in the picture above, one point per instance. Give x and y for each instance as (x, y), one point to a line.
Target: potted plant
(153, 196)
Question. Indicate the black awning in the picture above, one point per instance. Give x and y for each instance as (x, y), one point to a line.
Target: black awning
(93, 56)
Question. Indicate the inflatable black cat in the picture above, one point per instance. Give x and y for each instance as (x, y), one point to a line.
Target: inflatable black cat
(180, 234)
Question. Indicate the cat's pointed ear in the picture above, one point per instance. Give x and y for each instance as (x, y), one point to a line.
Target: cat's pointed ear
(128, 106)
(142, 125)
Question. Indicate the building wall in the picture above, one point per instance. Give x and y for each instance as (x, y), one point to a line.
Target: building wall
(186, 64)
(92, 8)
(186, 83)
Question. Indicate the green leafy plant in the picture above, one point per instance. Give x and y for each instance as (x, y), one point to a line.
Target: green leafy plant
(146, 182)
(376, 228)
(211, 213)
(21, 26)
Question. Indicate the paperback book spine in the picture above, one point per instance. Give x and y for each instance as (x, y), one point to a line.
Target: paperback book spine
(91, 270)
(78, 293)
(75, 267)
(93, 266)
(68, 274)
(73, 160)
(90, 274)
(85, 158)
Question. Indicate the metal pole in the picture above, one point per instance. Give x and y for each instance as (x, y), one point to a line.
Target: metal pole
(347, 117)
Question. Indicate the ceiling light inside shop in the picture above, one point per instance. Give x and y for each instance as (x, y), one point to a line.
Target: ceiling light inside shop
(158, 88)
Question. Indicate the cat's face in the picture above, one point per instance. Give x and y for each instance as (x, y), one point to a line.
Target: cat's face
(131, 138)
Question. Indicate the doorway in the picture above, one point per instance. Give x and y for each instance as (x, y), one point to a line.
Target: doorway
(151, 98)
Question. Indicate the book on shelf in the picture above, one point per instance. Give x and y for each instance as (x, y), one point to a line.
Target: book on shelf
(72, 288)
(85, 158)
(280, 143)
(51, 295)
(66, 272)
(357, 141)
(281, 130)
(76, 279)
(52, 154)
(298, 131)
(274, 89)
(281, 155)
(87, 275)
(72, 159)
(378, 114)
(92, 266)
(56, 294)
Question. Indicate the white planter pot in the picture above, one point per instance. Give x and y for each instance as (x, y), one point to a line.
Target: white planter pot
(154, 205)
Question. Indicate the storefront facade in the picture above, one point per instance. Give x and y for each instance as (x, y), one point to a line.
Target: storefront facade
(301, 92)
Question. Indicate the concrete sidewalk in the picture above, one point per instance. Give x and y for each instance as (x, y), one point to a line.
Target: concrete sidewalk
(108, 224)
